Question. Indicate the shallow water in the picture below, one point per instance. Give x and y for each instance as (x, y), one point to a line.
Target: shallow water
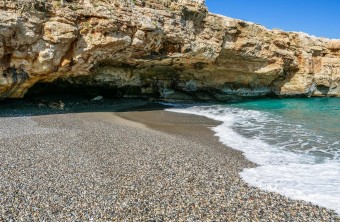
(295, 142)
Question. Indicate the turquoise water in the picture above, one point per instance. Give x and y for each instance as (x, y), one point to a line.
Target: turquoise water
(321, 115)
(295, 142)
(310, 124)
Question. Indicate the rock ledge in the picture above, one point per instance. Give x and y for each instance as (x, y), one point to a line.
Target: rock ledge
(167, 49)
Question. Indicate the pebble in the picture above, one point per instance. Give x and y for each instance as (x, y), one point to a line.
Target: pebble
(132, 166)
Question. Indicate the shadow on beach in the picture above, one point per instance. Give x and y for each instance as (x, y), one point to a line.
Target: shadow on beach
(63, 103)
(66, 103)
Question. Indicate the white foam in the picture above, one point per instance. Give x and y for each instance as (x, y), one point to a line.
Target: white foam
(317, 183)
(298, 175)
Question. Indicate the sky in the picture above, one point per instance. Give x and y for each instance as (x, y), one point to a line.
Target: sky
(315, 17)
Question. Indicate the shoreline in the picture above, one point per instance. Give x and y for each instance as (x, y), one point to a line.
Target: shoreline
(194, 127)
(141, 163)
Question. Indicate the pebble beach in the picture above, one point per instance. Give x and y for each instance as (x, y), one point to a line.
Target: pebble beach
(137, 164)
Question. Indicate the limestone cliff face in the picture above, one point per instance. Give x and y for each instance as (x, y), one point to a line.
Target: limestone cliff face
(171, 49)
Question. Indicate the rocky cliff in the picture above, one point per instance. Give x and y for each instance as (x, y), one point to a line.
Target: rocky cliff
(162, 48)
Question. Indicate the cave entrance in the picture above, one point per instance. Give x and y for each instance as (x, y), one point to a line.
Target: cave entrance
(64, 89)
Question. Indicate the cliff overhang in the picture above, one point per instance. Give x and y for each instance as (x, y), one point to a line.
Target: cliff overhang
(166, 49)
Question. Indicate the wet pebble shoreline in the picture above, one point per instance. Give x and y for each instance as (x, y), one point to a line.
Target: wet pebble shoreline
(149, 166)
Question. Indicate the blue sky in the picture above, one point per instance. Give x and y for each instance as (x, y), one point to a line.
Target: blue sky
(316, 17)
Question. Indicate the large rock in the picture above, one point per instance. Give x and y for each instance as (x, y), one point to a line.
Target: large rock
(171, 49)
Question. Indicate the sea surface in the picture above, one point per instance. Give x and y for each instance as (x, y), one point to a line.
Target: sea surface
(295, 142)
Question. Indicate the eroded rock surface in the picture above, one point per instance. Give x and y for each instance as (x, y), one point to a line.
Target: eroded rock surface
(171, 49)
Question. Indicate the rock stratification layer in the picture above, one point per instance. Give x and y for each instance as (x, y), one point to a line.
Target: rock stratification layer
(171, 49)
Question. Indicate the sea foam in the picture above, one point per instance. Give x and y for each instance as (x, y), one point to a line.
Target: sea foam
(285, 153)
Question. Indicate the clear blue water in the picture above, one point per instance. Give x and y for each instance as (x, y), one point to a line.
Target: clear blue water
(295, 142)
(321, 115)
(310, 124)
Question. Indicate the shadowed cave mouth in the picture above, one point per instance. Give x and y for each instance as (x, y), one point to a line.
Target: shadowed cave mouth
(87, 89)
(66, 96)
(63, 96)
(62, 88)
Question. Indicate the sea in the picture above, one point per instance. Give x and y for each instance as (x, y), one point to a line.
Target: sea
(295, 142)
